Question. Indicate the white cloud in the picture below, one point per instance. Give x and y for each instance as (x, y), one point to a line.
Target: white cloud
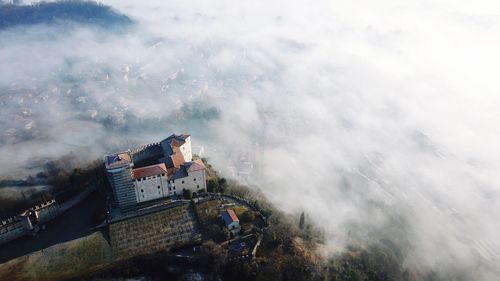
(357, 108)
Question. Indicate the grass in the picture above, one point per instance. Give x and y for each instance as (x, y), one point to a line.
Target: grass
(239, 210)
(62, 261)
(154, 232)
(207, 211)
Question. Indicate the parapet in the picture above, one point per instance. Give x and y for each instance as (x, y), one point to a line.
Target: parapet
(143, 147)
(117, 160)
(44, 204)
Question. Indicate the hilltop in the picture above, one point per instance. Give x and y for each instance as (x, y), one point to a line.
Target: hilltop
(81, 12)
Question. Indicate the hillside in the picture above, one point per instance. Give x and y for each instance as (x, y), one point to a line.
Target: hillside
(83, 12)
(289, 247)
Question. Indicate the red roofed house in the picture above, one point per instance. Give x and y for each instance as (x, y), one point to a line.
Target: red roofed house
(232, 222)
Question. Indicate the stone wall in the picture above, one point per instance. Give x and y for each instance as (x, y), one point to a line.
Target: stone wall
(47, 211)
(13, 228)
(147, 152)
(28, 222)
(154, 232)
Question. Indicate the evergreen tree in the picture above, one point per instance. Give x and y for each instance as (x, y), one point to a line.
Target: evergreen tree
(302, 221)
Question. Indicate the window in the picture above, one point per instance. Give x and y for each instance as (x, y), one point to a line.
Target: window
(163, 174)
(169, 188)
(174, 187)
(182, 181)
(158, 187)
(175, 192)
(144, 179)
(139, 179)
(194, 179)
(142, 190)
(173, 181)
(197, 186)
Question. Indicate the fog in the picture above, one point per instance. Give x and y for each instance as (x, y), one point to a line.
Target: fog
(373, 117)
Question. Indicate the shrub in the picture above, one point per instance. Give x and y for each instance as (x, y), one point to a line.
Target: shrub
(212, 185)
(248, 216)
(186, 193)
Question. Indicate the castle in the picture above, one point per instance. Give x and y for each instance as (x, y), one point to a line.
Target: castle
(158, 170)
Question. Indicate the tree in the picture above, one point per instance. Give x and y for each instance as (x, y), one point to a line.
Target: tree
(186, 193)
(222, 185)
(214, 232)
(76, 176)
(213, 185)
(302, 221)
(248, 216)
(212, 256)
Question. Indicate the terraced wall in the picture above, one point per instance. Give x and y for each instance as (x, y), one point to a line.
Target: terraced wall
(154, 232)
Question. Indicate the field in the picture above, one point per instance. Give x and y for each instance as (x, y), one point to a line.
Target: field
(155, 232)
(62, 261)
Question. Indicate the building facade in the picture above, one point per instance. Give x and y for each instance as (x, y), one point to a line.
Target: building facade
(191, 176)
(156, 181)
(150, 182)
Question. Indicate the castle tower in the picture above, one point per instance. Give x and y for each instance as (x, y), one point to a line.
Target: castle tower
(119, 173)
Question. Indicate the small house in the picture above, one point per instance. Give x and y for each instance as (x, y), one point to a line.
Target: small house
(231, 221)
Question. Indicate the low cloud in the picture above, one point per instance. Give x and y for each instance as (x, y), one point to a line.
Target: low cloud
(375, 116)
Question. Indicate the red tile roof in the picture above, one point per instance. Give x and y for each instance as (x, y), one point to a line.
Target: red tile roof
(125, 156)
(177, 157)
(196, 165)
(232, 214)
(117, 160)
(178, 140)
(149, 171)
(176, 143)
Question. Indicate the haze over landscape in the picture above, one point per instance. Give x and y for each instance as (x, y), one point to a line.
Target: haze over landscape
(378, 119)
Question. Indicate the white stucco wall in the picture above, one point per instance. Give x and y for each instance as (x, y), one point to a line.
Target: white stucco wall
(234, 225)
(148, 189)
(186, 150)
(195, 181)
(151, 188)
